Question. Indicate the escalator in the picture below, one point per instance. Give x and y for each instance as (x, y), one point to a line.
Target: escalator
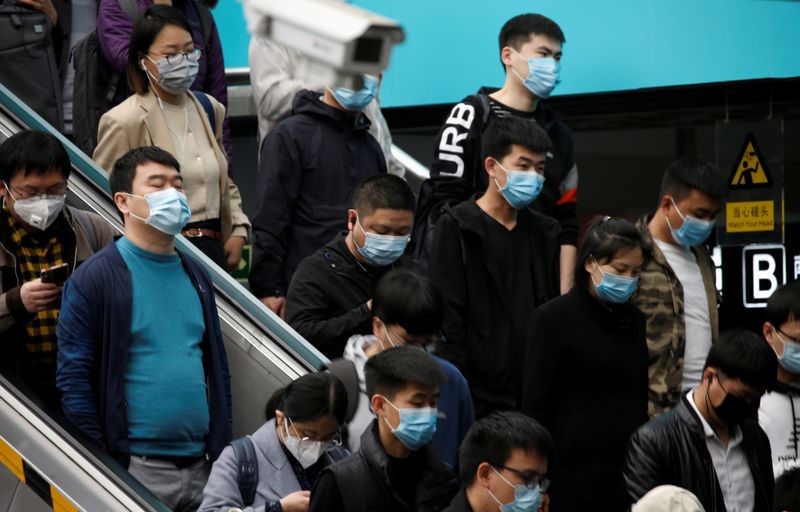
(45, 464)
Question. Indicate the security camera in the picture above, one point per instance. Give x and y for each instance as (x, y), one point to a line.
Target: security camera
(343, 38)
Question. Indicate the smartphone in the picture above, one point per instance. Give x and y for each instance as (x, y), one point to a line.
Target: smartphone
(56, 274)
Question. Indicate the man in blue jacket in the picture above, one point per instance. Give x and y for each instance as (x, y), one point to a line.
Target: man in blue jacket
(141, 365)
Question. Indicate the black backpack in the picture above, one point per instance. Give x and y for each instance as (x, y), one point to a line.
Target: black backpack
(96, 82)
(28, 62)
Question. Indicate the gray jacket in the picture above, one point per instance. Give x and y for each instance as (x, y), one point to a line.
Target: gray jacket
(276, 479)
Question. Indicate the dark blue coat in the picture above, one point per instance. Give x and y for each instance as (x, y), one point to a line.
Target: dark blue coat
(94, 330)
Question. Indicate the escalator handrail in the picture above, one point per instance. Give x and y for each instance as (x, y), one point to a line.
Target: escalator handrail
(222, 280)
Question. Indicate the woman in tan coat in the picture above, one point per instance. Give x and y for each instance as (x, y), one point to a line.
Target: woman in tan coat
(162, 64)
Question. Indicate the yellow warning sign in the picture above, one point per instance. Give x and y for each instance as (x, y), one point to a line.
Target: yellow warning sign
(750, 216)
(750, 169)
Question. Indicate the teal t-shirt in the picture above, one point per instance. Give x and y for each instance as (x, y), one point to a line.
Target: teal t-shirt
(165, 385)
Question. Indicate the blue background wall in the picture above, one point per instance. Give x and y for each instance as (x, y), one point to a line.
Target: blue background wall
(451, 45)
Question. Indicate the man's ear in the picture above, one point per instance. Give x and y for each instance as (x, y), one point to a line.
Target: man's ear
(378, 404)
(483, 473)
(352, 215)
(505, 55)
(376, 326)
(490, 164)
(121, 200)
(665, 203)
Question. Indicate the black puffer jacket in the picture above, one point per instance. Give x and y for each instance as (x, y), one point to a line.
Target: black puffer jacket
(671, 450)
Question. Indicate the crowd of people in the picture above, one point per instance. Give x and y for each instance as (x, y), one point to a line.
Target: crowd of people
(481, 358)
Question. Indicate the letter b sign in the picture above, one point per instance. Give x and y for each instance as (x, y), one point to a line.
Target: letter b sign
(764, 270)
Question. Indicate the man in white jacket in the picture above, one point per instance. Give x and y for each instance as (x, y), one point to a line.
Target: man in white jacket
(277, 73)
(779, 414)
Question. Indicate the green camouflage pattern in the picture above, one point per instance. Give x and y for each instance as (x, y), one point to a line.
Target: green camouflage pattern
(660, 297)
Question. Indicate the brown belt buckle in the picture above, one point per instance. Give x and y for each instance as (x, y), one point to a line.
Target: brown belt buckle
(193, 233)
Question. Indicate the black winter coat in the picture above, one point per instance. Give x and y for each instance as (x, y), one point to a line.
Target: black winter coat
(311, 164)
(477, 324)
(671, 450)
(363, 481)
(586, 382)
(327, 300)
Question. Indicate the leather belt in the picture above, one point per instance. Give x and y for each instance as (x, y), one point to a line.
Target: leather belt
(200, 232)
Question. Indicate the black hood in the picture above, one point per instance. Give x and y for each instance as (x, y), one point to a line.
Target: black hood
(308, 102)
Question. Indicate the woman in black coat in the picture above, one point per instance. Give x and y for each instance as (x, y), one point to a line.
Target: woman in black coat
(585, 376)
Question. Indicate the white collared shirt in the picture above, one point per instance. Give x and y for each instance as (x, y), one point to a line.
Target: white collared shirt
(730, 463)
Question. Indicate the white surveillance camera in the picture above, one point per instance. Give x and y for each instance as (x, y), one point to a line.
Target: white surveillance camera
(345, 39)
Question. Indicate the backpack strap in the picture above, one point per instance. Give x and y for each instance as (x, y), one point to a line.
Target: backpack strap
(207, 22)
(247, 476)
(85, 223)
(130, 7)
(206, 103)
(345, 371)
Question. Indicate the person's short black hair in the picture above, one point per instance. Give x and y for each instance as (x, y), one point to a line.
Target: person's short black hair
(518, 30)
(310, 397)
(605, 238)
(784, 304)
(503, 132)
(32, 152)
(787, 491)
(493, 439)
(685, 174)
(392, 370)
(410, 300)
(741, 354)
(145, 31)
(124, 170)
(383, 191)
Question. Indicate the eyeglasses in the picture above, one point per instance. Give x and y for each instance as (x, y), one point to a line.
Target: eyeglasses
(177, 58)
(335, 439)
(17, 194)
(530, 480)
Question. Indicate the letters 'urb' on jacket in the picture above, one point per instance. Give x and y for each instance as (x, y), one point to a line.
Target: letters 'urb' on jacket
(660, 297)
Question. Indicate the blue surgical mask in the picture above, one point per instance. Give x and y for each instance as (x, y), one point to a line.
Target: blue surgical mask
(169, 210)
(542, 75)
(525, 499)
(790, 359)
(522, 187)
(614, 287)
(381, 250)
(417, 425)
(693, 231)
(356, 101)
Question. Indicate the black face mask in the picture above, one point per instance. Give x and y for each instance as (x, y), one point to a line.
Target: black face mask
(734, 410)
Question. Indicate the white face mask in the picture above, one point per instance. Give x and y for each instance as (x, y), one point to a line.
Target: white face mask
(40, 211)
(306, 451)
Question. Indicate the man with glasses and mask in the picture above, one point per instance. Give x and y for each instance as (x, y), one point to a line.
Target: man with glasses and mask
(711, 443)
(779, 415)
(407, 310)
(142, 368)
(503, 462)
(36, 233)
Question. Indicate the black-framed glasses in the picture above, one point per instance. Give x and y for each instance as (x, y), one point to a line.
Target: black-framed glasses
(17, 194)
(530, 480)
(177, 58)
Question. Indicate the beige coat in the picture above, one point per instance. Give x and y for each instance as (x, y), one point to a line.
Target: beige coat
(138, 122)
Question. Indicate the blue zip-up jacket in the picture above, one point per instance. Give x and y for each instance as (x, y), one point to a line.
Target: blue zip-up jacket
(94, 331)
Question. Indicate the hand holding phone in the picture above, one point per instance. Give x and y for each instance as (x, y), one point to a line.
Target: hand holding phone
(56, 274)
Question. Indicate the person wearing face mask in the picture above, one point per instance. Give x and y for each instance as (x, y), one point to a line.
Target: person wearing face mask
(711, 444)
(162, 63)
(407, 310)
(677, 291)
(37, 232)
(779, 414)
(395, 468)
(504, 460)
(530, 54)
(143, 373)
(495, 261)
(591, 335)
(303, 422)
(330, 297)
(310, 166)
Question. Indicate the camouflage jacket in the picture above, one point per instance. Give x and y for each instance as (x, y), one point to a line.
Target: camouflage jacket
(660, 297)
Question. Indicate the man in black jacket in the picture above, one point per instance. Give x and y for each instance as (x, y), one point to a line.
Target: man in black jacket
(495, 260)
(395, 469)
(711, 443)
(530, 53)
(330, 298)
(501, 452)
(311, 164)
